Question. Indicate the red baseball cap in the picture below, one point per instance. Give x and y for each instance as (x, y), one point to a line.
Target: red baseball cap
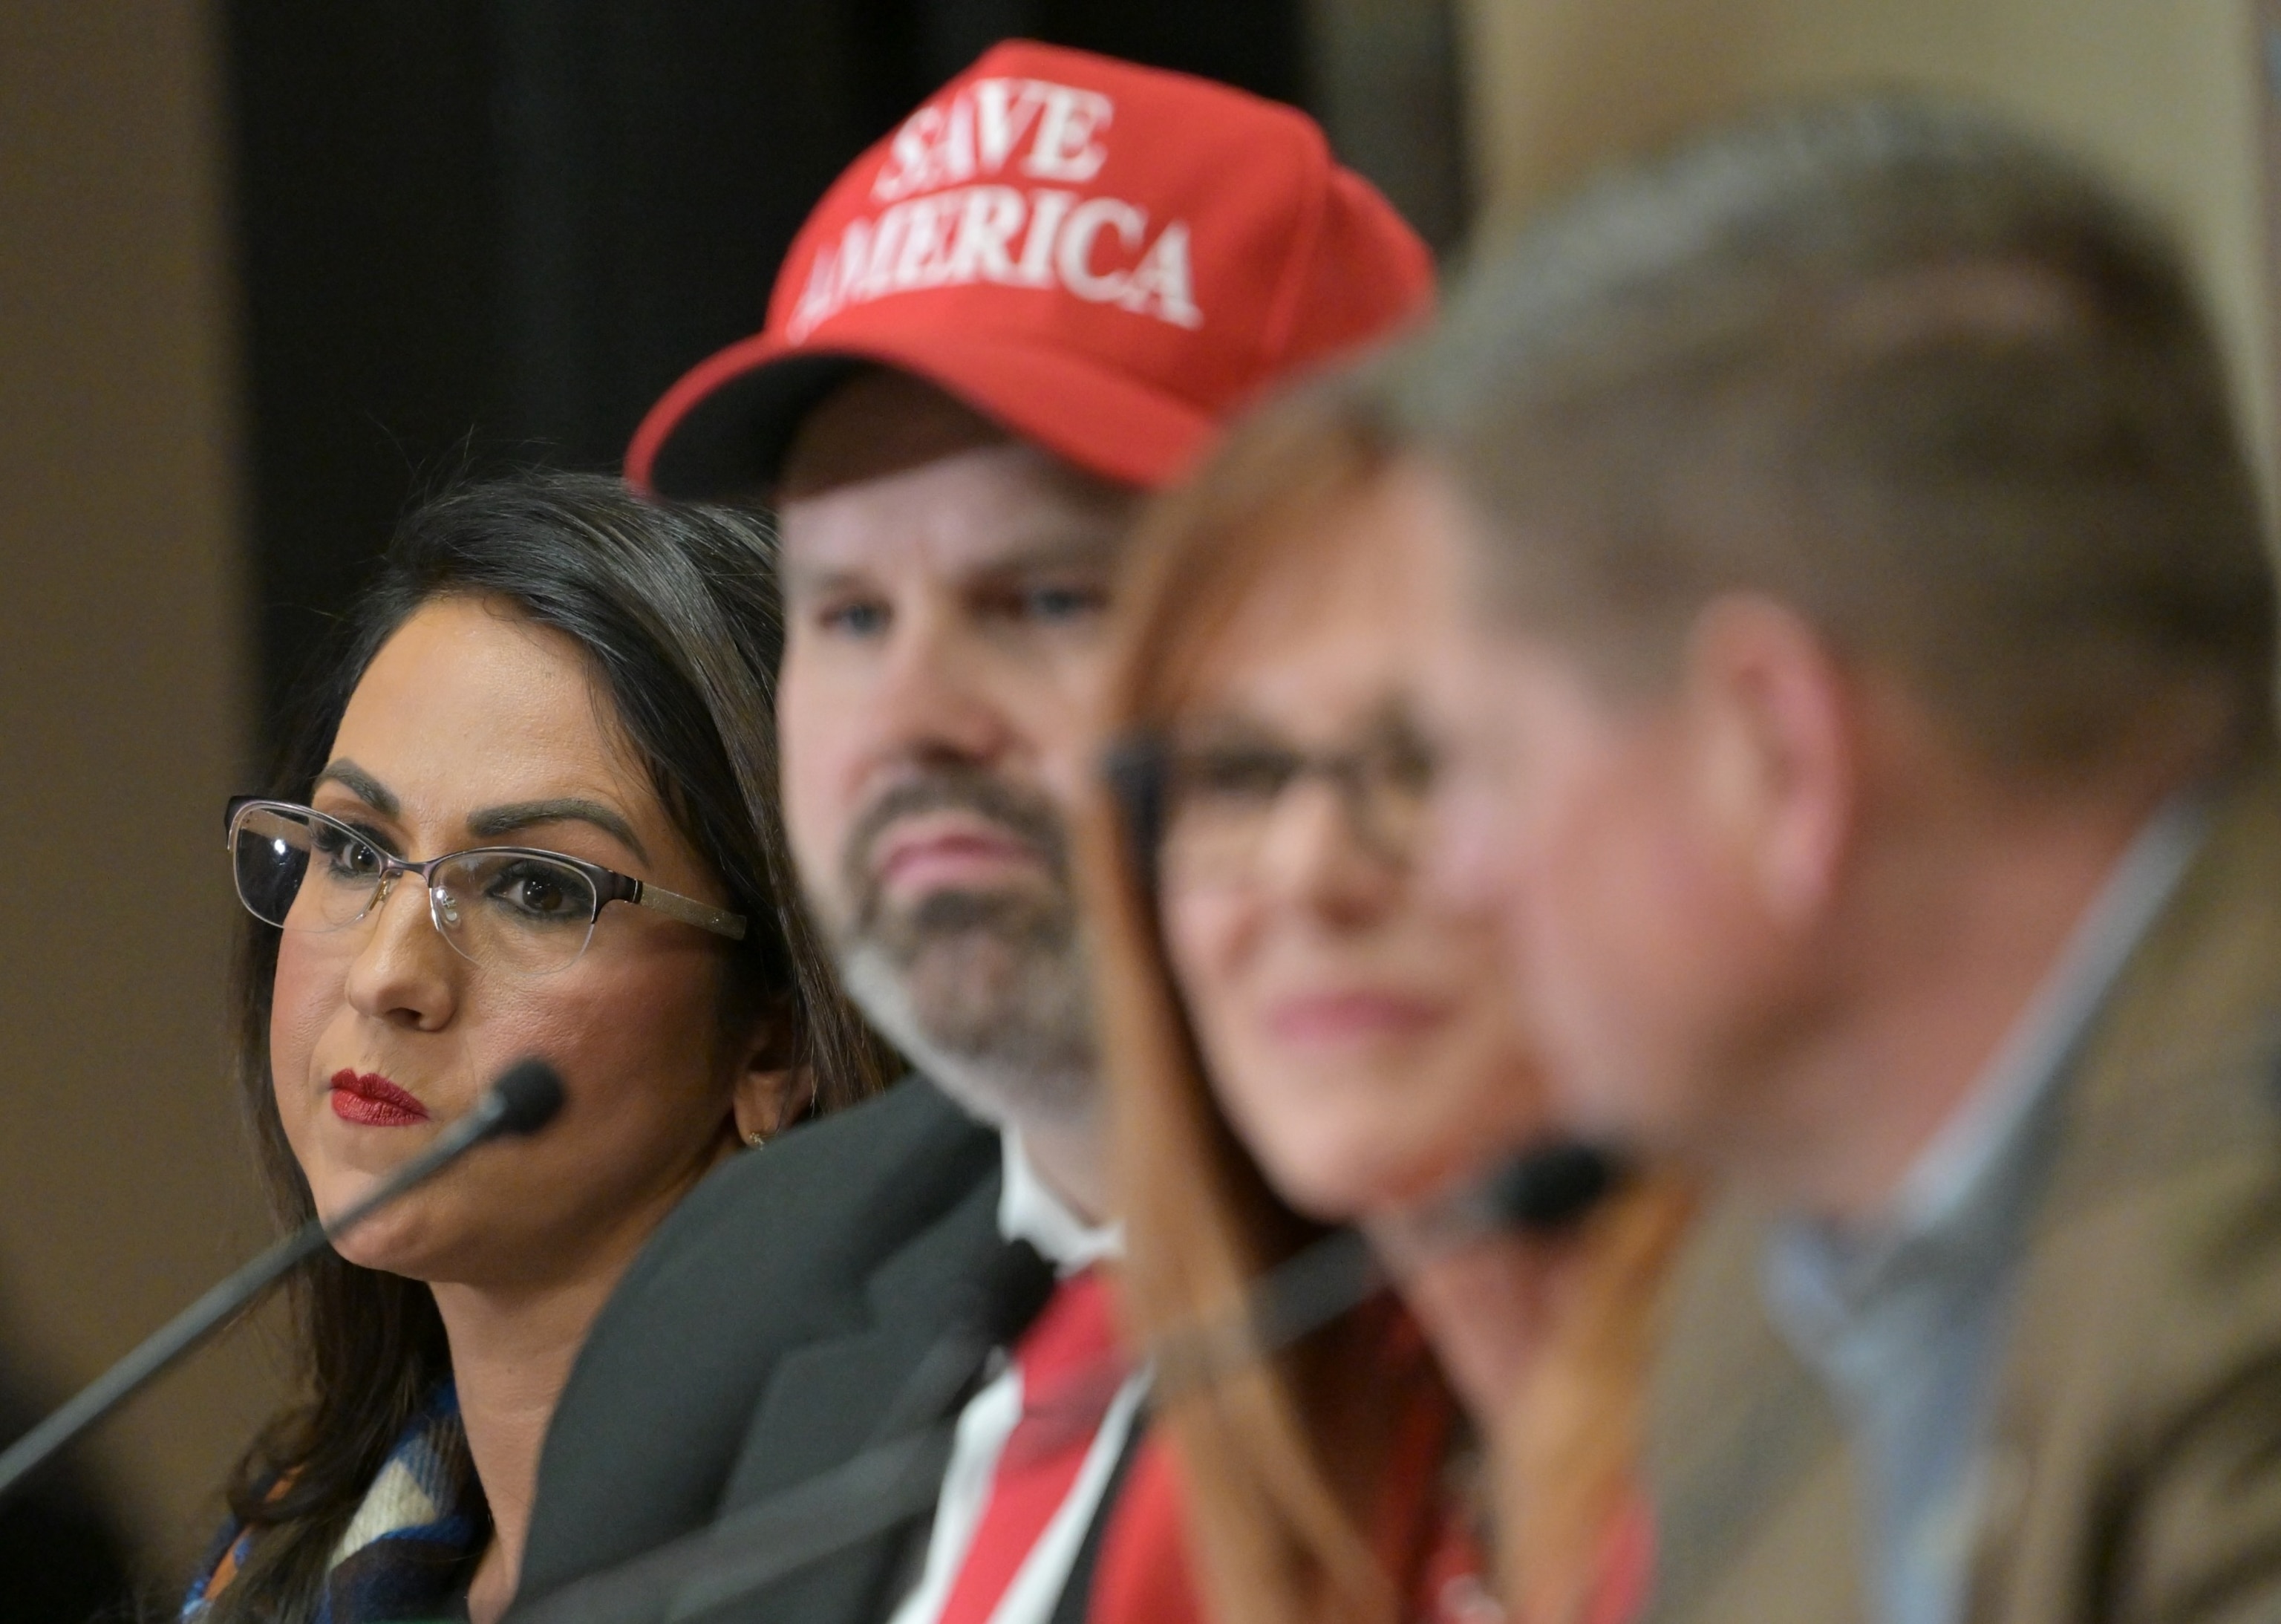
(1109, 261)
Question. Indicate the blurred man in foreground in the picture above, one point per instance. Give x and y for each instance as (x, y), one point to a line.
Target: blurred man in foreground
(1036, 300)
(1863, 711)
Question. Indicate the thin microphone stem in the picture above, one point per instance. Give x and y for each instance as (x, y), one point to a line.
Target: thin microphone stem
(1543, 1192)
(231, 1297)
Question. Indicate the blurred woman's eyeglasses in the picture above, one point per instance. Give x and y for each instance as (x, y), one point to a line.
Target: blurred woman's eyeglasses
(1199, 812)
(507, 907)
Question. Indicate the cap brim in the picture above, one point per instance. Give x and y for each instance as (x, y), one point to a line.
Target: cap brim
(724, 429)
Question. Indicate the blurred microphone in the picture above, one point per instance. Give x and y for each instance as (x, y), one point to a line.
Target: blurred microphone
(1543, 1192)
(526, 1097)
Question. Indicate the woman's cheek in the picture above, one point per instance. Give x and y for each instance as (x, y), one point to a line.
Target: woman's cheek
(1199, 952)
(1205, 938)
(1212, 941)
(303, 1000)
(634, 1039)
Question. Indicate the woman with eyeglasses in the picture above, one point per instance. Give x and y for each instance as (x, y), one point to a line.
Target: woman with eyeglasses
(1302, 1037)
(529, 811)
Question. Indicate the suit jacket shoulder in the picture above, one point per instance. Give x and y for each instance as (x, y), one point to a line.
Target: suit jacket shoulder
(778, 1250)
(1747, 1459)
(2133, 1470)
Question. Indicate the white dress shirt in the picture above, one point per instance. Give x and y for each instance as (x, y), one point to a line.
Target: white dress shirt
(1027, 1210)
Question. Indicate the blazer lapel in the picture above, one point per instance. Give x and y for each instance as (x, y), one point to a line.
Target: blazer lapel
(2165, 1173)
(826, 1400)
(1747, 1464)
(1076, 1603)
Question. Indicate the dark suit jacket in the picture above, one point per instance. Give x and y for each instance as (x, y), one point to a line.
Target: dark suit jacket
(759, 1339)
(2131, 1473)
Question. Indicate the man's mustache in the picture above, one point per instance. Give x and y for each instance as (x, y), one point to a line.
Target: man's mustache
(1029, 817)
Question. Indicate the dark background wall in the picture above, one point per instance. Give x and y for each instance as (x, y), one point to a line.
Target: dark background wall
(124, 1187)
(472, 235)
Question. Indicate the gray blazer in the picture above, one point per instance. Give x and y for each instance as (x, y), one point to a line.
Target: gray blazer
(759, 1337)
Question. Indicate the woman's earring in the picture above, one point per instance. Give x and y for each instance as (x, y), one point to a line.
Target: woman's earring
(756, 1139)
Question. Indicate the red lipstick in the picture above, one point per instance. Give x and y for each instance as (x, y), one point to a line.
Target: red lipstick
(371, 1100)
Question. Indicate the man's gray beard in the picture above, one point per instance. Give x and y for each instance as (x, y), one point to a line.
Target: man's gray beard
(990, 997)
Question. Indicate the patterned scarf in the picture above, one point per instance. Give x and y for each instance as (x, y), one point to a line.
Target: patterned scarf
(413, 1543)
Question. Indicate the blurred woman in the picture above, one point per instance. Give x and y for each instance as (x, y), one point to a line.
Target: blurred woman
(529, 811)
(1301, 1038)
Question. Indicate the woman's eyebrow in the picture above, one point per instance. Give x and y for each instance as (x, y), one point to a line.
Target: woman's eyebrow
(362, 784)
(492, 822)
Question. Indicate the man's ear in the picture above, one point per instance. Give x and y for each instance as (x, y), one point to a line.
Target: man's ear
(1773, 710)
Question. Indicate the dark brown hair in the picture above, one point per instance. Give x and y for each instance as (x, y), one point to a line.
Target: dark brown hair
(1904, 369)
(676, 608)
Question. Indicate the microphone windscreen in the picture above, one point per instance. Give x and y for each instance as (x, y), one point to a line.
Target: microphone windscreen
(529, 1095)
(1554, 1185)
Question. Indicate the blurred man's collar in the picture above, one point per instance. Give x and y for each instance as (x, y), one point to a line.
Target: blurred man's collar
(1028, 1210)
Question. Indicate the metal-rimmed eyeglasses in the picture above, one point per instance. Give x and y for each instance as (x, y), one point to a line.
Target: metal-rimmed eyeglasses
(510, 908)
(1198, 812)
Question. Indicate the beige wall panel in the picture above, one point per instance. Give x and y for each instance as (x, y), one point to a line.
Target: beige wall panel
(124, 1185)
(2161, 92)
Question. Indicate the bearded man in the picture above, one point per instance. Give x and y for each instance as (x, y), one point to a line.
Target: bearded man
(1034, 303)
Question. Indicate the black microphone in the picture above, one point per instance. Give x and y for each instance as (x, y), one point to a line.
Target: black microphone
(1542, 1191)
(1549, 1189)
(526, 1097)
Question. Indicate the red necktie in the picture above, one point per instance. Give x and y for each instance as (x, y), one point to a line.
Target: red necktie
(1070, 1375)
